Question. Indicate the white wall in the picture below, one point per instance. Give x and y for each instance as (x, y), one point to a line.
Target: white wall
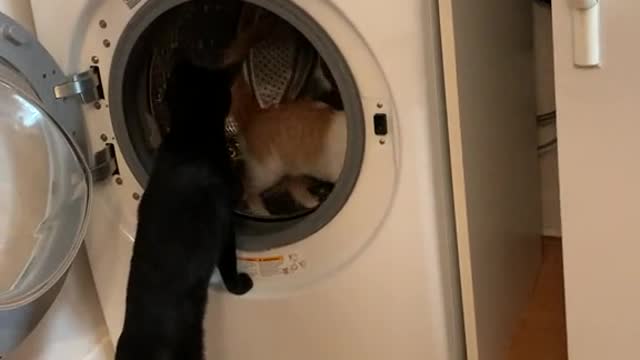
(545, 93)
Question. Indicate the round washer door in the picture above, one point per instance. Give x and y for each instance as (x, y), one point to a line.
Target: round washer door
(45, 185)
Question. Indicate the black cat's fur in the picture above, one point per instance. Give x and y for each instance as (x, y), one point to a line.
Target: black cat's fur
(185, 224)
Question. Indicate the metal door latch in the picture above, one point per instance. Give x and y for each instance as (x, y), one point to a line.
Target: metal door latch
(131, 3)
(84, 85)
(104, 164)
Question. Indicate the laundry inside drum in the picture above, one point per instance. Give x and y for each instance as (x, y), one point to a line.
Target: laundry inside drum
(279, 66)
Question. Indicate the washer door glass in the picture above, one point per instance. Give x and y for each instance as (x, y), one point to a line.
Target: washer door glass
(45, 188)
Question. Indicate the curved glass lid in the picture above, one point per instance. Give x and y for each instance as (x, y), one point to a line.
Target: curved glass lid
(45, 187)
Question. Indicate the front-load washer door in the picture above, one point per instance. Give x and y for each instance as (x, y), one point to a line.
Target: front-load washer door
(45, 183)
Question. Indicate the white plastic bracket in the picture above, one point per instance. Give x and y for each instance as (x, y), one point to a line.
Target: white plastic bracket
(586, 32)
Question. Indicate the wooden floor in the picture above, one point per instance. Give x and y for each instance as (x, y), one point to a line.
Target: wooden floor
(542, 334)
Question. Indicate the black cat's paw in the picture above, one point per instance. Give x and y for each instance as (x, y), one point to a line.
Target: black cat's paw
(241, 284)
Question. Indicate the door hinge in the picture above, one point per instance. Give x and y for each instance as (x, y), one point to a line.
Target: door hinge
(131, 3)
(85, 85)
(104, 164)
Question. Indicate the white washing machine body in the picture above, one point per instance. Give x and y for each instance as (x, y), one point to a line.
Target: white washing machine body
(380, 279)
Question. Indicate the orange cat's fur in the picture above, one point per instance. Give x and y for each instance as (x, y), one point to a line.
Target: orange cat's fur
(294, 139)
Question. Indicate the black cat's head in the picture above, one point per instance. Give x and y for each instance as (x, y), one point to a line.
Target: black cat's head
(198, 97)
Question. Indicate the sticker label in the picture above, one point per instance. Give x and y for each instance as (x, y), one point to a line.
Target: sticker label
(269, 266)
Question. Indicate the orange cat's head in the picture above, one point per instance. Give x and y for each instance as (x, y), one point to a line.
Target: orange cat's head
(244, 105)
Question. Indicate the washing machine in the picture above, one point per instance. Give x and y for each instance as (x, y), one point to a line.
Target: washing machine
(371, 273)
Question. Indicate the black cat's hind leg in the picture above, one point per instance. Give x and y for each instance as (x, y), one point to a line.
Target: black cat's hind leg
(191, 346)
(236, 283)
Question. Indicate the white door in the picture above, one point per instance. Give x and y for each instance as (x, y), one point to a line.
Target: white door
(45, 182)
(488, 71)
(599, 151)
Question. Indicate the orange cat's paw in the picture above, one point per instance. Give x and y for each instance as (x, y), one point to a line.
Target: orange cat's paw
(260, 211)
(309, 202)
(256, 206)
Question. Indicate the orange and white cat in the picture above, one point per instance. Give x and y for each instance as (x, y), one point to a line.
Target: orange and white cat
(293, 140)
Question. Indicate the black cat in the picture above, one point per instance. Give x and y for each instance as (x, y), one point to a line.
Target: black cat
(185, 224)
